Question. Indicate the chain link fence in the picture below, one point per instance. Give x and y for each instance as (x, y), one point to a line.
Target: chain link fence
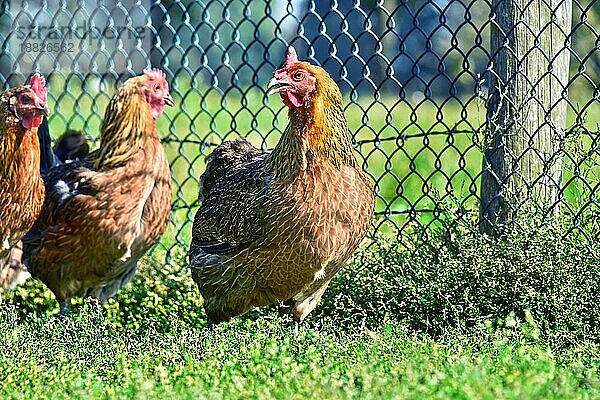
(426, 84)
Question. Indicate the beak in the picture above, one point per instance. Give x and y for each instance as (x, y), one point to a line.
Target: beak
(44, 110)
(276, 86)
(169, 100)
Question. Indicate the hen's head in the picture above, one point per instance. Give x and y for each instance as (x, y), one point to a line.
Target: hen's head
(28, 103)
(156, 90)
(299, 82)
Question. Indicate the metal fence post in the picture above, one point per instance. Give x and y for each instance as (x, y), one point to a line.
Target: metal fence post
(526, 112)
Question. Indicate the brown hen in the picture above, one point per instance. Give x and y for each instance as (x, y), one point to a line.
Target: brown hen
(103, 213)
(278, 226)
(70, 146)
(21, 186)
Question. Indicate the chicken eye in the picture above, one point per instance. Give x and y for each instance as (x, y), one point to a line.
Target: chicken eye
(298, 76)
(25, 99)
(156, 88)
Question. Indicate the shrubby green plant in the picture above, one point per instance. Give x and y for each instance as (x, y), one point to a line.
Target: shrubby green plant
(159, 295)
(457, 278)
(460, 278)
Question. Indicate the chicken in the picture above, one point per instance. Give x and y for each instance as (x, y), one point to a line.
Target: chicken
(276, 227)
(103, 213)
(70, 146)
(21, 186)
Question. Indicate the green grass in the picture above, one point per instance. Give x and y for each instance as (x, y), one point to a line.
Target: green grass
(83, 358)
(478, 318)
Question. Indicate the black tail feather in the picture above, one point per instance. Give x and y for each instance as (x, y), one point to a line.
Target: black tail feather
(71, 146)
(48, 159)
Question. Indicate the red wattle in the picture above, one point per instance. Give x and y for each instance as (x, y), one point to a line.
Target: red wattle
(31, 122)
(157, 109)
(292, 99)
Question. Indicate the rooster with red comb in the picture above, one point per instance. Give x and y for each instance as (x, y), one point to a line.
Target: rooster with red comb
(276, 227)
(21, 186)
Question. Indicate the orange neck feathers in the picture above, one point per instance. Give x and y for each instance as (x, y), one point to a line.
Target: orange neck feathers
(128, 123)
(316, 130)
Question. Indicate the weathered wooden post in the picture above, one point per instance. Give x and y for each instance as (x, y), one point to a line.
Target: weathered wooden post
(526, 112)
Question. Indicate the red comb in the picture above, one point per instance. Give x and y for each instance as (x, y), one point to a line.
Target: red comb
(38, 85)
(155, 73)
(291, 56)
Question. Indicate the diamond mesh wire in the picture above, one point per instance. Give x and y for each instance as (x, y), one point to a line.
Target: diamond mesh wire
(415, 77)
